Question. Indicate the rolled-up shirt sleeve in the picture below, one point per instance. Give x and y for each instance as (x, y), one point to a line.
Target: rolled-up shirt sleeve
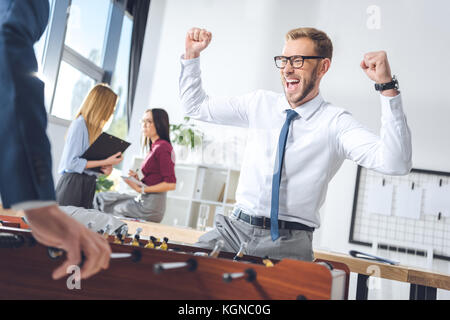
(167, 166)
(71, 160)
(30, 205)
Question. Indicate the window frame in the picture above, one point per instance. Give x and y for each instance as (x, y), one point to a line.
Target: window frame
(55, 50)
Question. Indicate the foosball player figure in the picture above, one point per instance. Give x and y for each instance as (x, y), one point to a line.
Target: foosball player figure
(119, 238)
(267, 262)
(136, 238)
(106, 233)
(164, 245)
(151, 243)
(241, 252)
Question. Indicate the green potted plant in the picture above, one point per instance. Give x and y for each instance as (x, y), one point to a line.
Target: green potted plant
(103, 184)
(187, 140)
(185, 134)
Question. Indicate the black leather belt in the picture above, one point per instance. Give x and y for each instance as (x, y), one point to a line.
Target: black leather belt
(265, 222)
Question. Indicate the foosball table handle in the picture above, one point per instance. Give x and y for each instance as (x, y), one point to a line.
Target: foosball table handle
(249, 275)
(10, 241)
(190, 264)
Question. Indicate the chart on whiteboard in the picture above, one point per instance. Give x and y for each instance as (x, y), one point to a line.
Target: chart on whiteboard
(412, 209)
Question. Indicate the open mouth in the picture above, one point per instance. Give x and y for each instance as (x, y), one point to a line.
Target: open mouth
(292, 84)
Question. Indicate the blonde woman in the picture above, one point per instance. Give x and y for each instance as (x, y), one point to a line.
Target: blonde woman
(76, 187)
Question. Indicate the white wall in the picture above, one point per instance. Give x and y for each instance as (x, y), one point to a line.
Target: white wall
(146, 79)
(56, 131)
(248, 33)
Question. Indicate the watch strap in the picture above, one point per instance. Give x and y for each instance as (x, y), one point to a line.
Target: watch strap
(386, 86)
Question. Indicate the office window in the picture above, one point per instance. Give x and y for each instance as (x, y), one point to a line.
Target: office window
(93, 43)
(119, 83)
(86, 28)
(71, 89)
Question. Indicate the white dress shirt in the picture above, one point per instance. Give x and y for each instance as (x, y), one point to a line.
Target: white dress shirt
(319, 140)
(30, 205)
(77, 142)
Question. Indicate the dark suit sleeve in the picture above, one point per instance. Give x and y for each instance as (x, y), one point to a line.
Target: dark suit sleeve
(25, 161)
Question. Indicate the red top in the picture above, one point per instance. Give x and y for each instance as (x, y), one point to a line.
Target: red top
(158, 165)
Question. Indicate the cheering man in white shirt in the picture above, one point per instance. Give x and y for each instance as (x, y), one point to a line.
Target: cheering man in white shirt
(296, 143)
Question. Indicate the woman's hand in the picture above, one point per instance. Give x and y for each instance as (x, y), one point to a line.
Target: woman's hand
(133, 174)
(133, 186)
(114, 159)
(107, 170)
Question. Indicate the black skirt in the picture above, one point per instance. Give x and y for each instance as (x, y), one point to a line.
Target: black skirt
(76, 190)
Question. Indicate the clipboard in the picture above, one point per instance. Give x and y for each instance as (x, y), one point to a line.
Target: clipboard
(105, 146)
(132, 179)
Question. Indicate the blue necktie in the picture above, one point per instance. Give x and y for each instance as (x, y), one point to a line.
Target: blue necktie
(291, 114)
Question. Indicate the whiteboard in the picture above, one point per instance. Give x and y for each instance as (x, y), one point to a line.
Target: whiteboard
(421, 220)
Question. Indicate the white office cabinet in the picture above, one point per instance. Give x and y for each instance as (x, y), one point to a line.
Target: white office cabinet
(202, 191)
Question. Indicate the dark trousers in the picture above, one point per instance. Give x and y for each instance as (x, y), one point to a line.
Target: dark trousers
(76, 190)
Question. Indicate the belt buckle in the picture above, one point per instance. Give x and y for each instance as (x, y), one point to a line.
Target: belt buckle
(237, 213)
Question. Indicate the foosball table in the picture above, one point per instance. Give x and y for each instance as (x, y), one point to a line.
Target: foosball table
(159, 269)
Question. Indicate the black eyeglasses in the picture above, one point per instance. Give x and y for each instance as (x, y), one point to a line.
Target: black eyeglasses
(296, 61)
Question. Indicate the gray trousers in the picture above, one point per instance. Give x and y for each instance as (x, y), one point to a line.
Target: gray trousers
(149, 207)
(95, 219)
(292, 244)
